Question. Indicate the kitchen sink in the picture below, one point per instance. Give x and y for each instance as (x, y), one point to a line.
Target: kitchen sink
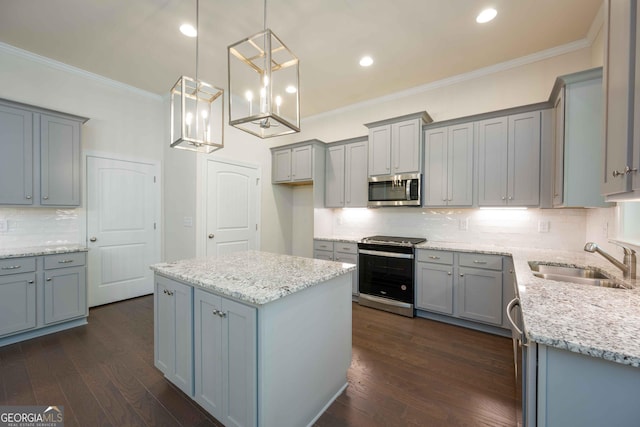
(566, 273)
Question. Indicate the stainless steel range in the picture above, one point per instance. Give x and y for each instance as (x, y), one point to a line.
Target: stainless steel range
(386, 273)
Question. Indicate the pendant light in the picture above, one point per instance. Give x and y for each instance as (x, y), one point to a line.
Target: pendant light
(264, 85)
(197, 111)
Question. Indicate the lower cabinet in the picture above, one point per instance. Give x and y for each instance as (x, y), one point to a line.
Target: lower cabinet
(225, 340)
(467, 286)
(17, 303)
(41, 294)
(173, 332)
(338, 251)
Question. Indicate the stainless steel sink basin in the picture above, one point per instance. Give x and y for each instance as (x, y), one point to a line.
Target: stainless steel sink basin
(566, 273)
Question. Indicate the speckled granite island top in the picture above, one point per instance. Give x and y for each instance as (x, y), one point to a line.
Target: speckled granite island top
(586, 319)
(253, 277)
(40, 250)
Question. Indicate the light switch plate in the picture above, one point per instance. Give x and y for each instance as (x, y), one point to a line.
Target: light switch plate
(543, 226)
(4, 225)
(187, 221)
(463, 224)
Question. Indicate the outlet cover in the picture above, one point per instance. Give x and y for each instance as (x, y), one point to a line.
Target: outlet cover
(463, 224)
(187, 221)
(605, 229)
(543, 226)
(4, 225)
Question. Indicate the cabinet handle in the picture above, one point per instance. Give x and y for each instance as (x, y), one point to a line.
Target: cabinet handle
(220, 313)
(93, 239)
(48, 279)
(511, 271)
(628, 170)
(12, 267)
(28, 197)
(448, 273)
(503, 197)
(617, 173)
(211, 236)
(461, 275)
(65, 261)
(510, 197)
(45, 197)
(345, 249)
(434, 257)
(31, 282)
(475, 261)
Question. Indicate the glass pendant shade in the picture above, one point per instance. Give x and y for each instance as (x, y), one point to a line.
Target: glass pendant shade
(197, 116)
(264, 95)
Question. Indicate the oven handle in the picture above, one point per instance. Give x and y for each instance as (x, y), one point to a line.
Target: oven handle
(408, 189)
(385, 254)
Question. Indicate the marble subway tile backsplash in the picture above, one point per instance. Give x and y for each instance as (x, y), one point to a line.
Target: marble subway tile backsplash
(534, 228)
(28, 227)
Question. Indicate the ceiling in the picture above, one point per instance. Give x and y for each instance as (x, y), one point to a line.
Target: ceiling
(413, 42)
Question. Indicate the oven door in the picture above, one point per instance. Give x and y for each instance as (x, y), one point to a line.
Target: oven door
(386, 274)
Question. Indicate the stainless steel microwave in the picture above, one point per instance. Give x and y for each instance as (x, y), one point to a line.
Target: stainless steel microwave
(394, 190)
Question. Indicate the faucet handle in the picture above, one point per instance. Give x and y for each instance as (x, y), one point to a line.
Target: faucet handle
(627, 250)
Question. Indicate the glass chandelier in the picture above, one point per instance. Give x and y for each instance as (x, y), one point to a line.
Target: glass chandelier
(264, 85)
(197, 111)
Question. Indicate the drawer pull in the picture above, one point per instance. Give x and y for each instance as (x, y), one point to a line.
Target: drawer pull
(434, 257)
(31, 282)
(475, 261)
(48, 279)
(65, 261)
(12, 267)
(345, 249)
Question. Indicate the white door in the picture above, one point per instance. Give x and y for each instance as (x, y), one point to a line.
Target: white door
(231, 208)
(122, 210)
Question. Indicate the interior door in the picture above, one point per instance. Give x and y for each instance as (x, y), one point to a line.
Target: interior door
(231, 208)
(122, 210)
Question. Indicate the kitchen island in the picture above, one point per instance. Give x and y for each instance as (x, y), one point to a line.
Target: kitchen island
(255, 338)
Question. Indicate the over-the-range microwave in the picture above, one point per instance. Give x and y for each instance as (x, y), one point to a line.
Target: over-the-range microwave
(394, 190)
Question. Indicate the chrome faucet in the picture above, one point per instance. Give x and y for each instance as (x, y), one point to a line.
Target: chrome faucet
(628, 266)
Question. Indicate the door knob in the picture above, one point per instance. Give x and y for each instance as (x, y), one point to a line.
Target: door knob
(93, 239)
(211, 236)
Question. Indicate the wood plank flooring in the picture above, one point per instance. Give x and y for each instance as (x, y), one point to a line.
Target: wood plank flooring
(405, 372)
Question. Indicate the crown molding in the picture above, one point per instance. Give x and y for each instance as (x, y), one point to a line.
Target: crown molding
(481, 72)
(61, 66)
(596, 25)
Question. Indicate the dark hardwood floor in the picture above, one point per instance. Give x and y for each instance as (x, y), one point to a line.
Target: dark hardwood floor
(404, 372)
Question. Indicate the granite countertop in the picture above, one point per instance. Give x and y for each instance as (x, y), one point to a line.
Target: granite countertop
(595, 321)
(340, 239)
(40, 250)
(253, 277)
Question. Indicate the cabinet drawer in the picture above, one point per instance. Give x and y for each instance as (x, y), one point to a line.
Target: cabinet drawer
(73, 259)
(438, 257)
(326, 255)
(322, 245)
(348, 258)
(489, 262)
(17, 265)
(346, 248)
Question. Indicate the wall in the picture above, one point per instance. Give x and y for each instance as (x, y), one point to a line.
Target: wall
(122, 120)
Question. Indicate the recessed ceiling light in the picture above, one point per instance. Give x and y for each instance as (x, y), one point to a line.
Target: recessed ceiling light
(291, 89)
(366, 61)
(486, 15)
(188, 30)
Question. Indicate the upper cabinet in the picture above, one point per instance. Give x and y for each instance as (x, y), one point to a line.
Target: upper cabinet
(295, 163)
(577, 154)
(395, 145)
(346, 174)
(448, 175)
(509, 160)
(39, 156)
(622, 155)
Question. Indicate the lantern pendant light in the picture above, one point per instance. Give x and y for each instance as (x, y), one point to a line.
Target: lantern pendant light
(264, 85)
(197, 111)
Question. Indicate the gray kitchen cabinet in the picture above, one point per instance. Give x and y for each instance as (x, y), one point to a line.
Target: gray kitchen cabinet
(395, 145)
(59, 161)
(39, 156)
(578, 117)
(618, 80)
(17, 295)
(346, 174)
(173, 332)
(225, 342)
(346, 252)
(635, 166)
(295, 163)
(16, 156)
(466, 288)
(449, 166)
(434, 290)
(65, 289)
(509, 160)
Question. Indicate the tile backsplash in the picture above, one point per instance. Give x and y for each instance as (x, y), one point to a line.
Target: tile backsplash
(538, 228)
(27, 227)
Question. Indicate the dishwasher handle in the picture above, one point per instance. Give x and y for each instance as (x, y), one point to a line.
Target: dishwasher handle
(512, 304)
